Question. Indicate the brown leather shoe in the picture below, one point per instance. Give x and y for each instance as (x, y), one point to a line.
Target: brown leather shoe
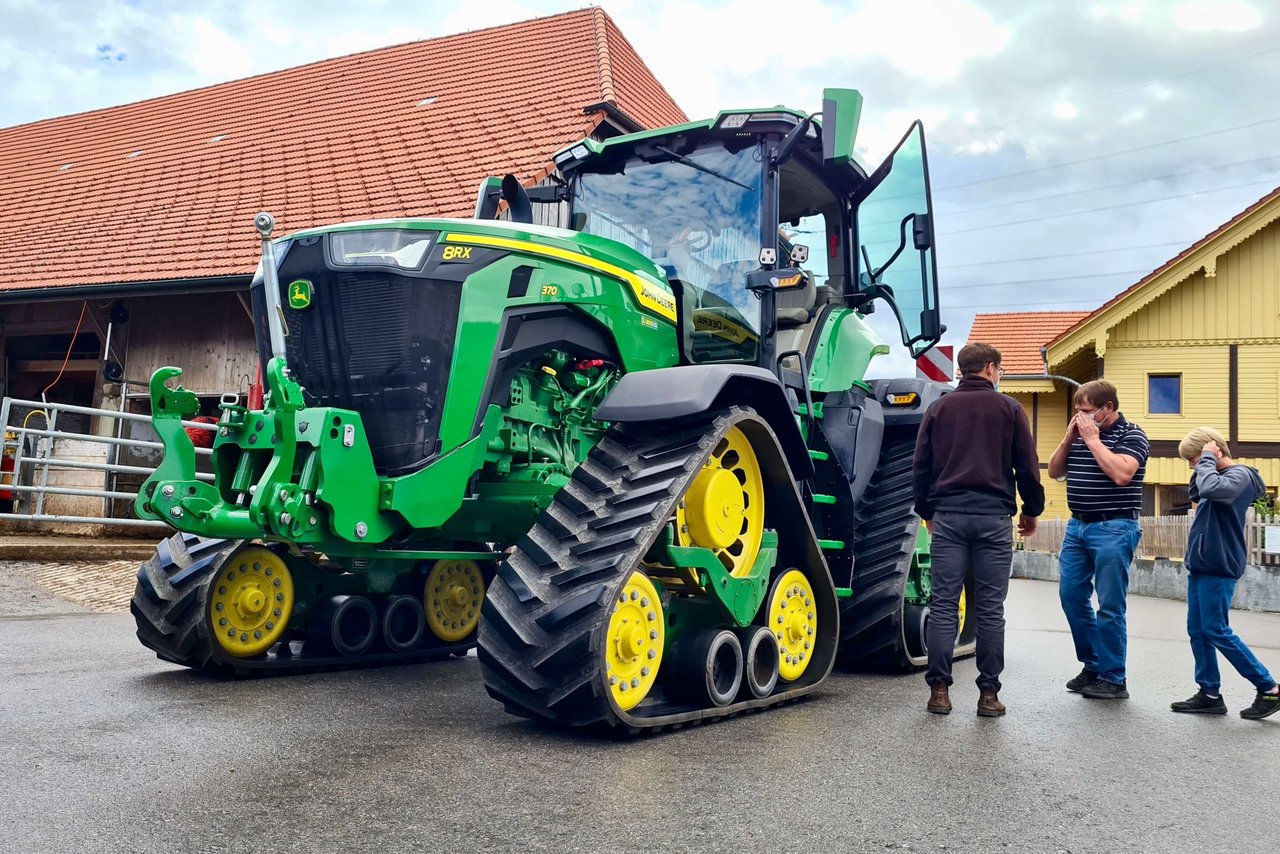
(939, 699)
(989, 705)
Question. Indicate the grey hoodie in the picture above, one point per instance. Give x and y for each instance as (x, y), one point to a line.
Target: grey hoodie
(1216, 544)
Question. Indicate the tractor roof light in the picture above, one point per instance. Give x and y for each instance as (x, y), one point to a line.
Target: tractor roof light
(748, 121)
(572, 155)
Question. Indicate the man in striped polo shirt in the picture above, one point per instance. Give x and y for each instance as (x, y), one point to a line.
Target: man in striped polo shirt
(1104, 458)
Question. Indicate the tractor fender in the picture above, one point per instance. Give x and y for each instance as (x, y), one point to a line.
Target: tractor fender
(665, 394)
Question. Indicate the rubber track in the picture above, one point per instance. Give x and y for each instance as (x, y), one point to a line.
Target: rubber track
(884, 536)
(170, 603)
(543, 620)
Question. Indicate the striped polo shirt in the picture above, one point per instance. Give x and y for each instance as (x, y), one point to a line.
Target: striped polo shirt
(1089, 490)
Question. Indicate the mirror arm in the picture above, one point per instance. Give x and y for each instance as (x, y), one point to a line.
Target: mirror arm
(790, 141)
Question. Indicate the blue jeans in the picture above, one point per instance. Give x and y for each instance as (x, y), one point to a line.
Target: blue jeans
(1208, 607)
(1097, 556)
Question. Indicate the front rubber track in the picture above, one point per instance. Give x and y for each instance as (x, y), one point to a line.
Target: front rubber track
(884, 538)
(544, 619)
(170, 607)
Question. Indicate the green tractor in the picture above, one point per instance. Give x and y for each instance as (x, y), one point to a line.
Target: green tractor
(635, 461)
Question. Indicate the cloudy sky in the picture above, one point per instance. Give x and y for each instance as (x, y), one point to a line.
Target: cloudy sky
(1074, 146)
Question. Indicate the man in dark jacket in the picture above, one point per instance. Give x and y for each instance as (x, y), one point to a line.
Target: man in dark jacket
(1216, 555)
(974, 445)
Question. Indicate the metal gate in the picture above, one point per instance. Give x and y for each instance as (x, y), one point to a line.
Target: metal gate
(41, 476)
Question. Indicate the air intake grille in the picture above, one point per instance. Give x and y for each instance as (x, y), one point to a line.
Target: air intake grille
(377, 343)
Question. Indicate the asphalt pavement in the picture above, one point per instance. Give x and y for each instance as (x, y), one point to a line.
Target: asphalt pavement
(105, 748)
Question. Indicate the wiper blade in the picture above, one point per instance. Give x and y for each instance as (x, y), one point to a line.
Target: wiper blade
(680, 158)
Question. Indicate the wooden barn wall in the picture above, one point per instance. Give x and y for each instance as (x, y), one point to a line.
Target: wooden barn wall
(209, 336)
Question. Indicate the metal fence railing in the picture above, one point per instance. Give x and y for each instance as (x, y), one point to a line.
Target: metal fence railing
(1166, 537)
(55, 475)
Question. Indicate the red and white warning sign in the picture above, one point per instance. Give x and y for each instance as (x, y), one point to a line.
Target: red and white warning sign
(939, 364)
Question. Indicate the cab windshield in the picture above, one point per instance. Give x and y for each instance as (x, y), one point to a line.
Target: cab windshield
(698, 216)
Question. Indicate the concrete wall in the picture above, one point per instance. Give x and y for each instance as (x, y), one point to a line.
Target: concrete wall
(1258, 590)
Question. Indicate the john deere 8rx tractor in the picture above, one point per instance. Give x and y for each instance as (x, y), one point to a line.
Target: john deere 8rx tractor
(636, 459)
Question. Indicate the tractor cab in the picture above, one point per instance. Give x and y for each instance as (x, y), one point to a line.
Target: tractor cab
(764, 223)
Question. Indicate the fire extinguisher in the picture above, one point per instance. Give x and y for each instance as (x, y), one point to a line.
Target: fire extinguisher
(6, 471)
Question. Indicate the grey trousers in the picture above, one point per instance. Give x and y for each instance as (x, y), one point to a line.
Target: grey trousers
(983, 544)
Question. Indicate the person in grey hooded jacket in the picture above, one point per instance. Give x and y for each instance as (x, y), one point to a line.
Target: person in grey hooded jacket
(1223, 490)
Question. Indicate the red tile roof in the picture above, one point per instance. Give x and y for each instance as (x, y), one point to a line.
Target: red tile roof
(1019, 336)
(167, 188)
(1166, 265)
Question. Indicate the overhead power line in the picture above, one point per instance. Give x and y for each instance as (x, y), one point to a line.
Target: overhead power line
(1187, 242)
(1168, 177)
(1049, 279)
(1018, 305)
(1104, 208)
(1097, 157)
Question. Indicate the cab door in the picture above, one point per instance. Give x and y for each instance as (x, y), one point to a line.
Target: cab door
(893, 230)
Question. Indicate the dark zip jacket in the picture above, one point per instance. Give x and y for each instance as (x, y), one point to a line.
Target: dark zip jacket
(974, 445)
(1216, 544)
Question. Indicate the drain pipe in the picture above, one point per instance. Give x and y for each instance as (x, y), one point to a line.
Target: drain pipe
(1044, 358)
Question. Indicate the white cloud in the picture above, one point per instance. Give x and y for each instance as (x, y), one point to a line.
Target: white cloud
(212, 52)
(1065, 110)
(1229, 16)
(983, 75)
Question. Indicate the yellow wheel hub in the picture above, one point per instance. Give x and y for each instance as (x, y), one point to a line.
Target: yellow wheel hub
(250, 601)
(452, 596)
(793, 619)
(724, 507)
(634, 642)
(961, 613)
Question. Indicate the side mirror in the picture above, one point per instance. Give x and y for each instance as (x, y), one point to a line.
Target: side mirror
(930, 327)
(517, 199)
(841, 111)
(921, 233)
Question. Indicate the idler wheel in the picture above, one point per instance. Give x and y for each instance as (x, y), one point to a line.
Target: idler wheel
(915, 627)
(403, 623)
(709, 667)
(760, 651)
(347, 624)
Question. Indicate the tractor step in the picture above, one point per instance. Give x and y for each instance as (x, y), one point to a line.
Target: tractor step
(803, 409)
(822, 498)
(819, 456)
(832, 545)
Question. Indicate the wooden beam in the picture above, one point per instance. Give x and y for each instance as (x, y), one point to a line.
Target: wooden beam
(1169, 448)
(52, 366)
(1233, 394)
(18, 328)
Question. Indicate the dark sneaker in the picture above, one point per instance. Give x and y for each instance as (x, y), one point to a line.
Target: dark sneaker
(1087, 677)
(1264, 705)
(1100, 689)
(1201, 704)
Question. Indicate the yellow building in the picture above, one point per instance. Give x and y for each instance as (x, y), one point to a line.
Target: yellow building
(1197, 342)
